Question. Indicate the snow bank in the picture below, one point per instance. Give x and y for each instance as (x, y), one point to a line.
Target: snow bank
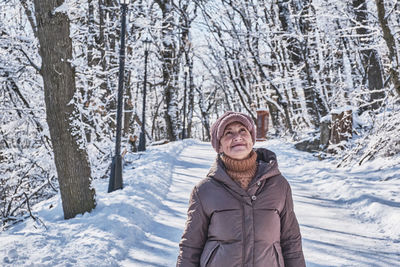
(369, 191)
(103, 237)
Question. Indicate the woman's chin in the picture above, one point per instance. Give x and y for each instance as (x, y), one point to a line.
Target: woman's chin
(239, 153)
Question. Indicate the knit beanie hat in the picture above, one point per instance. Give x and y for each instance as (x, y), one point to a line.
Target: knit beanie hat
(217, 129)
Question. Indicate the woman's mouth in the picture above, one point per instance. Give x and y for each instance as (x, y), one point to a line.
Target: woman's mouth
(238, 145)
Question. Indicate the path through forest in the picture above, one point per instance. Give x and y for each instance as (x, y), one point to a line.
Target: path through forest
(332, 234)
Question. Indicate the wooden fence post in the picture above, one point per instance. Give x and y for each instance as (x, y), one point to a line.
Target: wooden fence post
(262, 124)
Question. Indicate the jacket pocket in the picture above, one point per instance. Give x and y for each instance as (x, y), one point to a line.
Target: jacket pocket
(208, 256)
(278, 255)
(220, 229)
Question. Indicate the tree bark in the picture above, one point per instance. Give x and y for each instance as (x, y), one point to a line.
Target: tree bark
(186, 49)
(341, 126)
(168, 55)
(71, 159)
(370, 58)
(390, 43)
(298, 50)
(205, 119)
(190, 102)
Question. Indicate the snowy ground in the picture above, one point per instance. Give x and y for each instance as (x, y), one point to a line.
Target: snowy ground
(348, 217)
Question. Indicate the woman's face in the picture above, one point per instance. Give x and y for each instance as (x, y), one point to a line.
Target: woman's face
(236, 141)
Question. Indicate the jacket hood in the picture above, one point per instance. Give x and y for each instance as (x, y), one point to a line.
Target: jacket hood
(267, 167)
(265, 155)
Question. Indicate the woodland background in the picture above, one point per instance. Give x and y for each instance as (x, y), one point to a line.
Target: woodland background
(303, 60)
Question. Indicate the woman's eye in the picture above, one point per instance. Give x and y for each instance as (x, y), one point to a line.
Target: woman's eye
(228, 133)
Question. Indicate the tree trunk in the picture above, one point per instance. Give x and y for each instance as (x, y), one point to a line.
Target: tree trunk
(391, 44)
(370, 58)
(128, 109)
(298, 50)
(341, 129)
(190, 102)
(71, 159)
(187, 50)
(102, 45)
(169, 70)
(91, 35)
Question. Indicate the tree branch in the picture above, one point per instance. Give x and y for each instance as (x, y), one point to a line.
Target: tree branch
(36, 67)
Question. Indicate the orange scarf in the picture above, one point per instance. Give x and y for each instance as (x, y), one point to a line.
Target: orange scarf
(241, 171)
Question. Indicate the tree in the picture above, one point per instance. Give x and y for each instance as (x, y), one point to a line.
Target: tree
(186, 18)
(169, 68)
(71, 159)
(371, 62)
(390, 43)
(297, 51)
(26, 161)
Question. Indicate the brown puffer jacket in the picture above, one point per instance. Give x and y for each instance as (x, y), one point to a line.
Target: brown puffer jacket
(228, 226)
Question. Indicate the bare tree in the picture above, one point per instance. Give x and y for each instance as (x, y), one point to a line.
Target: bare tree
(372, 66)
(71, 159)
(390, 43)
(169, 68)
(298, 42)
(187, 14)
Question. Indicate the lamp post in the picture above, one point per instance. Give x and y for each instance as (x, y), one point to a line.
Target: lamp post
(186, 70)
(116, 165)
(142, 138)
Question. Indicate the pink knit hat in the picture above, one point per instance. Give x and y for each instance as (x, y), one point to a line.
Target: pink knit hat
(217, 129)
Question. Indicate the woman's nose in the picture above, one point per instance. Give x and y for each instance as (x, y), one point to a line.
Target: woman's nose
(237, 136)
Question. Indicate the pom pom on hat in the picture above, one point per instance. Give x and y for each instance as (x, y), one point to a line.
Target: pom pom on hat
(217, 129)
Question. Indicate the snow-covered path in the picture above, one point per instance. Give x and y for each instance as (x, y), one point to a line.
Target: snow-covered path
(161, 246)
(330, 204)
(332, 234)
(347, 216)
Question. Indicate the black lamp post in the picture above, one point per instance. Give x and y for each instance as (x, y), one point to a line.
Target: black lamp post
(142, 137)
(186, 70)
(116, 165)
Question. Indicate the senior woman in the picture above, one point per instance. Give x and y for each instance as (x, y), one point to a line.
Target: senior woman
(241, 214)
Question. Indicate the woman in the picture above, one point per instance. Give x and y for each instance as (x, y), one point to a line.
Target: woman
(241, 214)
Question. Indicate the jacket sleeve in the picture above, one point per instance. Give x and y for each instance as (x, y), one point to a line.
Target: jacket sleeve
(195, 234)
(290, 235)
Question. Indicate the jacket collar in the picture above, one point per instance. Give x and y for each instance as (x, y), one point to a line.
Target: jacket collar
(267, 167)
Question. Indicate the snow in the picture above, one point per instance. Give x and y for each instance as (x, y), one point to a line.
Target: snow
(347, 216)
(342, 109)
(63, 8)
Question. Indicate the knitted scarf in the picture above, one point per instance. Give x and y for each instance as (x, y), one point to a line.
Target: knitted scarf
(241, 171)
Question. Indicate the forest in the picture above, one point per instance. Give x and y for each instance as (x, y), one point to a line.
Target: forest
(307, 62)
